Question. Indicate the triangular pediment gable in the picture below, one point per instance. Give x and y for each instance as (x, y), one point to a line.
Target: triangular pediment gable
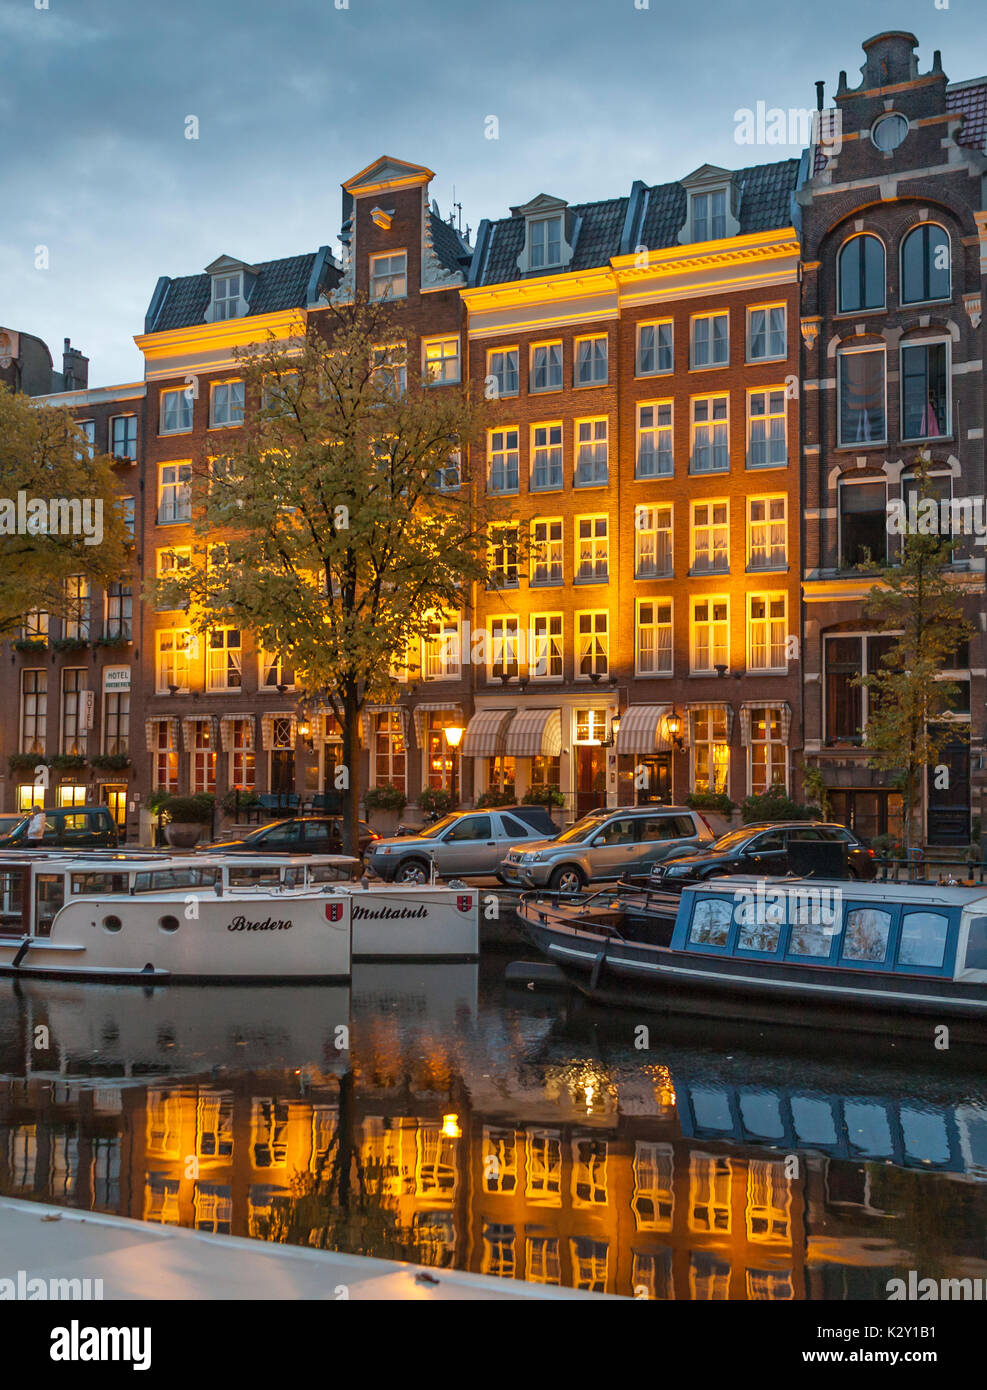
(387, 172)
(543, 203)
(707, 173)
(222, 265)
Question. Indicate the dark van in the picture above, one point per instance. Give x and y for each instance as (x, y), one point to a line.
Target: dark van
(69, 827)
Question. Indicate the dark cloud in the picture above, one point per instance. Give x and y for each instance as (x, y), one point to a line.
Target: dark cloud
(292, 98)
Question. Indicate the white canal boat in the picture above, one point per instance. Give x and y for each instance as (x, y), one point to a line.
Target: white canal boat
(151, 917)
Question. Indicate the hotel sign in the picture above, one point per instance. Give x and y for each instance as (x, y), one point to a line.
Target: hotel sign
(116, 678)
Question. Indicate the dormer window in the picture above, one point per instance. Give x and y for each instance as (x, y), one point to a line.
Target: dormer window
(545, 242)
(226, 297)
(709, 215)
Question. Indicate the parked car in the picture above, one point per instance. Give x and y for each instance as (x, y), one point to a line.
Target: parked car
(762, 849)
(69, 827)
(296, 835)
(605, 845)
(463, 842)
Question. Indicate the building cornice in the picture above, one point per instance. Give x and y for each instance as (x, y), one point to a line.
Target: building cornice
(208, 341)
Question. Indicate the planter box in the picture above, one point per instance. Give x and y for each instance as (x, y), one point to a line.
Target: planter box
(384, 822)
(182, 834)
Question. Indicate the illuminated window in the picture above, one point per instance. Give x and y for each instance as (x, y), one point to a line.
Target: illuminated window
(589, 1172)
(710, 435)
(224, 661)
(275, 672)
(441, 360)
(440, 649)
(768, 756)
(546, 367)
(589, 1263)
(542, 1265)
(710, 750)
(709, 1193)
(546, 551)
(35, 625)
(543, 1164)
(213, 1206)
(500, 1161)
(591, 361)
(769, 1202)
(499, 1256)
(174, 493)
(502, 460)
(652, 542)
(654, 637)
(653, 1202)
(546, 456)
(767, 429)
(766, 333)
(165, 758)
(502, 557)
(504, 648)
(592, 549)
(591, 725)
(34, 711)
(69, 795)
(75, 624)
(710, 538)
(172, 660)
(593, 647)
(710, 634)
(546, 654)
(767, 620)
(767, 533)
(75, 735)
(389, 751)
(202, 758)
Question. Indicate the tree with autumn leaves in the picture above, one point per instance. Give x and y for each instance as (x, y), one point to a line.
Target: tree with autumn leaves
(341, 519)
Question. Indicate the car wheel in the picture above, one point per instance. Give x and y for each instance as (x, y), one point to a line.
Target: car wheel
(412, 871)
(567, 879)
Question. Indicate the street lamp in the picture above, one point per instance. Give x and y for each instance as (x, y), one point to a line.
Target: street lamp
(454, 735)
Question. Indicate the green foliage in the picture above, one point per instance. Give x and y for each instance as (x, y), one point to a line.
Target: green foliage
(67, 762)
(816, 789)
(386, 798)
(70, 644)
(196, 809)
(710, 801)
(46, 455)
(30, 644)
(543, 796)
(111, 762)
(436, 799)
(917, 598)
(237, 800)
(776, 805)
(26, 762)
(493, 796)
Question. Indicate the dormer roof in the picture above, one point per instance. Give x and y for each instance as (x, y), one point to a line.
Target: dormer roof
(290, 283)
(226, 265)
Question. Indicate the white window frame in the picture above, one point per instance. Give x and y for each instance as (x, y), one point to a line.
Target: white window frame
(235, 401)
(658, 347)
(771, 639)
(550, 367)
(546, 647)
(767, 310)
(445, 369)
(647, 519)
(591, 423)
(710, 742)
(504, 645)
(704, 199)
(719, 628)
(231, 283)
(599, 541)
(499, 373)
(770, 414)
(79, 744)
(219, 673)
(597, 376)
(768, 501)
(655, 627)
(710, 318)
(38, 714)
(555, 550)
(585, 642)
(269, 664)
(179, 490)
(126, 420)
(389, 276)
(540, 242)
(185, 412)
(499, 448)
(499, 545)
(770, 743)
(708, 425)
(175, 662)
(440, 650)
(662, 438)
(713, 530)
(549, 448)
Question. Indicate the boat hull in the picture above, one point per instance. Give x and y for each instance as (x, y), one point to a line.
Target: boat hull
(414, 923)
(650, 979)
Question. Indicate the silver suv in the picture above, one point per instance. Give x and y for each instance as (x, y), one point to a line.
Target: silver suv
(465, 842)
(606, 846)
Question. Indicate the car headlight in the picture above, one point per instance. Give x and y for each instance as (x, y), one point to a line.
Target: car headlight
(677, 870)
(532, 857)
(381, 849)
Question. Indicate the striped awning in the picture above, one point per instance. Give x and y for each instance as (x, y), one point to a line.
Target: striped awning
(267, 722)
(368, 719)
(781, 708)
(452, 707)
(697, 711)
(151, 730)
(486, 733)
(189, 725)
(535, 733)
(226, 730)
(643, 729)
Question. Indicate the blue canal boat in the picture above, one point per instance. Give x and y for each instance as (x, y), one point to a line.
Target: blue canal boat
(881, 957)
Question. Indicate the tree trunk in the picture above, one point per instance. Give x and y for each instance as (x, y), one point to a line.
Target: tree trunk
(351, 762)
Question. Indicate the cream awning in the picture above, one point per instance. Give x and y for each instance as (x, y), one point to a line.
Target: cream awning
(267, 728)
(435, 707)
(784, 712)
(151, 732)
(189, 724)
(643, 729)
(535, 733)
(226, 723)
(369, 714)
(486, 733)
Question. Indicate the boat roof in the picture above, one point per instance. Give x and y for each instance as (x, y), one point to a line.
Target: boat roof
(943, 894)
(121, 860)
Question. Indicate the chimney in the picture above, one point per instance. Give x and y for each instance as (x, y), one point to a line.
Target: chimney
(75, 368)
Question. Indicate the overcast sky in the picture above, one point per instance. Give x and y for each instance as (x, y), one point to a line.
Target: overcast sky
(293, 96)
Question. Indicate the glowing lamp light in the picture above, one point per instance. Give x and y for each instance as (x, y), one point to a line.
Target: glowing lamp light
(450, 1123)
(305, 729)
(674, 724)
(454, 735)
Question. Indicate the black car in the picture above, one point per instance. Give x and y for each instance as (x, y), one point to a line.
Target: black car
(771, 850)
(295, 835)
(66, 827)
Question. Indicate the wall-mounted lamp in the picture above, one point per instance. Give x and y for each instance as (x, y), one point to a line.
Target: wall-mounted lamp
(674, 726)
(305, 732)
(611, 738)
(454, 735)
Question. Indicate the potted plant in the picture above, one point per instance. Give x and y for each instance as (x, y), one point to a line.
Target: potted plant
(184, 817)
(384, 805)
(550, 797)
(111, 762)
(718, 804)
(776, 805)
(493, 796)
(239, 801)
(67, 762)
(25, 762)
(70, 644)
(30, 644)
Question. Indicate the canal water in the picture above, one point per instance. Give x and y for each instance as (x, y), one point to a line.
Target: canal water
(436, 1114)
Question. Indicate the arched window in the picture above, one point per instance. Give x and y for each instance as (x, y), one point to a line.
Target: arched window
(925, 262)
(861, 274)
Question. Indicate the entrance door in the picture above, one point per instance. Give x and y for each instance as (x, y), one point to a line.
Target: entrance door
(282, 772)
(949, 801)
(115, 797)
(657, 779)
(591, 778)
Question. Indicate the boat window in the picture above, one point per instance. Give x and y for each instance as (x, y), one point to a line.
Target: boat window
(253, 875)
(11, 897)
(923, 939)
(330, 873)
(99, 883)
(865, 935)
(160, 880)
(811, 938)
(711, 922)
(49, 898)
(976, 945)
(761, 934)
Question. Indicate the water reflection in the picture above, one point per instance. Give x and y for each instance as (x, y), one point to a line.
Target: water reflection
(426, 1115)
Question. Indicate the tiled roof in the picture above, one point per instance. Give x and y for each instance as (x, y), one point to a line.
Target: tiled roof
(763, 202)
(452, 252)
(279, 284)
(970, 100)
(597, 239)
